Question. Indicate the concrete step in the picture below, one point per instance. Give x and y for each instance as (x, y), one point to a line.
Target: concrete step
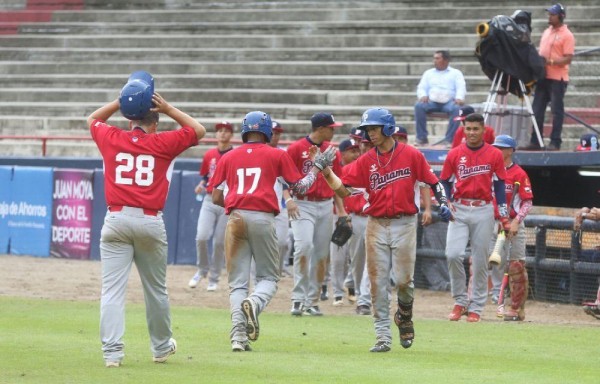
(358, 54)
(70, 120)
(291, 68)
(326, 13)
(276, 27)
(309, 4)
(352, 83)
(263, 96)
(239, 40)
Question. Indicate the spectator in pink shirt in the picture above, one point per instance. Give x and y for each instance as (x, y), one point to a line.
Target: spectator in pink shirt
(557, 47)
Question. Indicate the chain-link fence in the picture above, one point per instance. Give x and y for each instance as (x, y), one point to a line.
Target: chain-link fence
(563, 265)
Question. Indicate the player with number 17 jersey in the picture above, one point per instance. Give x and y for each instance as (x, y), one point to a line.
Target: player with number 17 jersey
(251, 171)
(138, 166)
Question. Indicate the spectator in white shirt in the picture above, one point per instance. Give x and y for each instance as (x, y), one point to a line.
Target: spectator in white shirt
(441, 89)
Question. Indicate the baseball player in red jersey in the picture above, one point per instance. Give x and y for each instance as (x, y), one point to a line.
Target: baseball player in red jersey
(459, 137)
(212, 219)
(473, 167)
(341, 255)
(137, 171)
(390, 174)
(513, 251)
(312, 230)
(250, 172)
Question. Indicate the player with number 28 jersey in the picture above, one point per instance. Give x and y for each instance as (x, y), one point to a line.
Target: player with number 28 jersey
(138, 166)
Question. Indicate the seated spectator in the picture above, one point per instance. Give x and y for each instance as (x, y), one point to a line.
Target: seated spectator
(441, 89)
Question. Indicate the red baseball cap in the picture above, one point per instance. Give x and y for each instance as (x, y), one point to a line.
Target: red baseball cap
(224, 125)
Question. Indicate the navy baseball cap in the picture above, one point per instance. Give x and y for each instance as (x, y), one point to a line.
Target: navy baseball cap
(463, 112)
(557, 9)
(323, 119)
(356, 133)
(348, 144)
(277, 127)
(400, 131)
(588, 142)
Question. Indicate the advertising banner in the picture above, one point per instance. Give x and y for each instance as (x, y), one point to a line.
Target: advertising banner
(5, 200)
(29, 211)
(72, 197)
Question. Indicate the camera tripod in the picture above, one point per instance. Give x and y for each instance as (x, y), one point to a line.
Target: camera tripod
(498, 89)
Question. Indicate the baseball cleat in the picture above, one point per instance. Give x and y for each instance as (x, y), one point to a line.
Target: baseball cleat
(473, 317)
(211, 287)
(351, 295)
(314, 311)
(171, 351)
(592, 309)
(324, 294)
(112, 364)
(251, 312)
(195, 280)
(297, 309)
(457, 312)
(381, 346)
(338, 301)
(363, 310)
(240, 346)
(512, 315)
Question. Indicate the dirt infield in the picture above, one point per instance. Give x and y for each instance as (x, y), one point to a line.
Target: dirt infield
(63, 279)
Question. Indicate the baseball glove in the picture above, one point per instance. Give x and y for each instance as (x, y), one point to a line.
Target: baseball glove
(342, 232)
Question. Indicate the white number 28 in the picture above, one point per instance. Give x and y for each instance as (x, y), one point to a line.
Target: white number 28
(143, 164)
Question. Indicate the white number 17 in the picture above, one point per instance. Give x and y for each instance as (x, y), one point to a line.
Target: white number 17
(242, 173)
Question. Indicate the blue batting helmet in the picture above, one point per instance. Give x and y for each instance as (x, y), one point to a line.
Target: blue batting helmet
(381, 117)
(505, 141)
(135, 99)
(257, 121)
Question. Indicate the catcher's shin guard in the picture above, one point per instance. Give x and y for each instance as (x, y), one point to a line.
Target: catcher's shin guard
(403, 319)
(519, 286)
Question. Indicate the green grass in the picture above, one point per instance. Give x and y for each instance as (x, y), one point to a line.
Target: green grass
(44, 341)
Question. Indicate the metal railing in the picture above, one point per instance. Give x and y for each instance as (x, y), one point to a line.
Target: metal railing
(45, 138)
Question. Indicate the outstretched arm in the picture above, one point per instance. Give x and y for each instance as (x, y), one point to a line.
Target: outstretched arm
(335, 183)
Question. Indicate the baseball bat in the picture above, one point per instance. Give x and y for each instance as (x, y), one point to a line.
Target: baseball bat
(495, 258)
(503, 289)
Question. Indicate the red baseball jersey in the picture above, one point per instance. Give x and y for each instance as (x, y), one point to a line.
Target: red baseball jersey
(514, 174)
(138, 166)
(209, 164)
(390, 179)
(251, 172)
(473, 171)
(459, 137)
(298, 151)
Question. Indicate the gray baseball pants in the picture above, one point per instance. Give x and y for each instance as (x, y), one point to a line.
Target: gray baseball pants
(312, 234)
(250, 235)
(129, 237)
